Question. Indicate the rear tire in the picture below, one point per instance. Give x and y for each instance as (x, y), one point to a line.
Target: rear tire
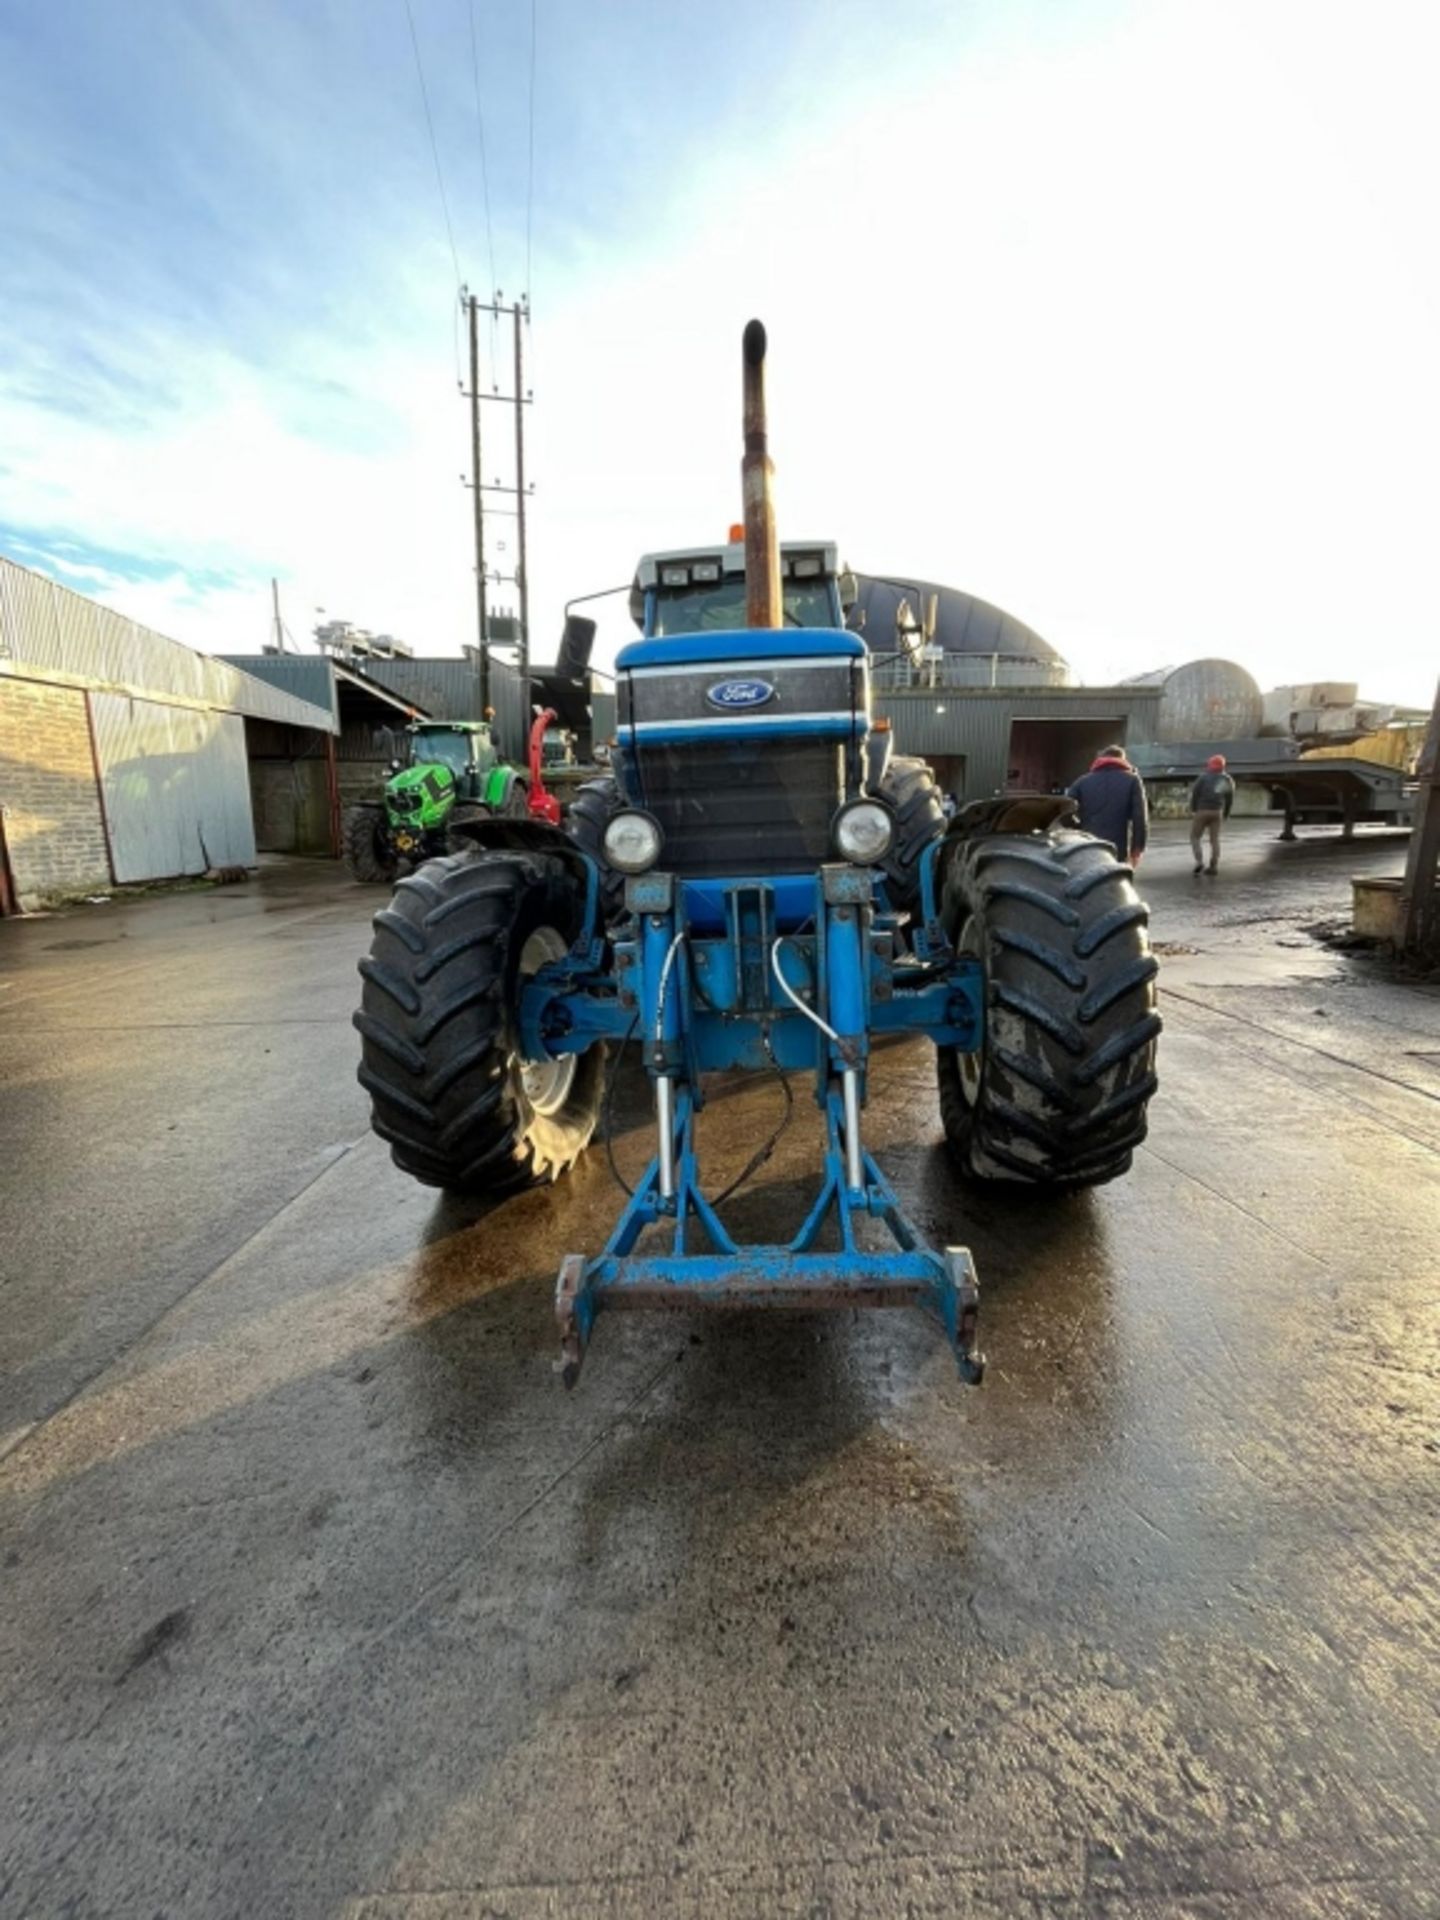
(438, 1021)
(1059, 1092)
(366, 854)
(586, 819)
(909, 788)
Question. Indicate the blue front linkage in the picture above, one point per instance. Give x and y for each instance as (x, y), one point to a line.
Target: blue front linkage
(709, 981)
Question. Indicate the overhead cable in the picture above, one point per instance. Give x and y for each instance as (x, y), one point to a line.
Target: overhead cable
(434, 147)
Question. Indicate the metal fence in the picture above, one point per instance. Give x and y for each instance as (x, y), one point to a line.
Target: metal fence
(968, 670)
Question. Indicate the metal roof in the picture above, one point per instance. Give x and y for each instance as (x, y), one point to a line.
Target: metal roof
(447, 688)
(315, 677)
(965, 623)
(50, 632)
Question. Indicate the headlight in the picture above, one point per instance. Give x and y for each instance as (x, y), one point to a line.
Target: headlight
(632, 842)
(863, 832)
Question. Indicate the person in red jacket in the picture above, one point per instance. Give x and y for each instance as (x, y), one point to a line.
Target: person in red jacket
(1111, 799)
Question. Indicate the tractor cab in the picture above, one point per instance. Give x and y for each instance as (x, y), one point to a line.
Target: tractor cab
(702, 589)
(464, 748)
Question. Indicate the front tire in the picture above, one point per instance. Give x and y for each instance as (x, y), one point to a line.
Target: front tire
(1058, 1093)
(910, 789)
(586, 819)
(438, 1020)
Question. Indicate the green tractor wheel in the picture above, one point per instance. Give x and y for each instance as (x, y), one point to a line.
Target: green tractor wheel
(366, 845)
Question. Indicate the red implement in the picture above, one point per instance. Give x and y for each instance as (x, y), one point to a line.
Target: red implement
(543, 804)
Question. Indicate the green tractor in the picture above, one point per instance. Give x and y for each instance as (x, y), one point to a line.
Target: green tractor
(454, 775)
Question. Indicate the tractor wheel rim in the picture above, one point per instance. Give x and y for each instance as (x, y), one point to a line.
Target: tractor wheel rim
(971, 1065)
(547, 1082)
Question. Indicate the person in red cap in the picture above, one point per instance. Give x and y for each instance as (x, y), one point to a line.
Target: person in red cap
(1211, 799)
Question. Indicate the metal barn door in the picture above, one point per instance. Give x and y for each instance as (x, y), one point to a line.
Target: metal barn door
(176, 787)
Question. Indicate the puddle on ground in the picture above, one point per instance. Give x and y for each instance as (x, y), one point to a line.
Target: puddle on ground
(1223, 967)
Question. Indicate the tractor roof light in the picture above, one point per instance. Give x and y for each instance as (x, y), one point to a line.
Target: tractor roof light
(863, 831)
(807, 566)
(674, 576)
(632, 841)
(706, 570)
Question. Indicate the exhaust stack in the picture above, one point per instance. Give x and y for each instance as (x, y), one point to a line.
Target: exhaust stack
(763, 604)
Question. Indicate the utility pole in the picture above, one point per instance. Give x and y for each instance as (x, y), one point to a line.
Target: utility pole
(482, 668)
(279, 623)
(522, 574)
(519, 312)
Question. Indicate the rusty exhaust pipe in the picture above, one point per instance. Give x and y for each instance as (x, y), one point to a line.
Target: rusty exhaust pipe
(763, 604)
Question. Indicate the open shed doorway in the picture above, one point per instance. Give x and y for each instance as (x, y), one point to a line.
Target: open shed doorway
(1046, 755)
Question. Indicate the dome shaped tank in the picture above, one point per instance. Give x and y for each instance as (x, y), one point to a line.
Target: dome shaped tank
(976, 644)
(1205, 700)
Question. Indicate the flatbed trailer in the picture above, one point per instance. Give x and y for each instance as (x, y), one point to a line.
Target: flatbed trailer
(1340, 792)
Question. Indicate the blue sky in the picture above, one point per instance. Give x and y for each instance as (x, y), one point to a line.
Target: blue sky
(1121, 315)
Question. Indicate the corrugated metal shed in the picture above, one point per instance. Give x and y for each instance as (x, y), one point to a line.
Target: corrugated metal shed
(446, 689)
(176, 787)
(46, 631)
(510, 698)
(974, 726)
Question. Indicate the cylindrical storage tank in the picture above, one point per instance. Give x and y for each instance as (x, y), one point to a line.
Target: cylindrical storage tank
(1208, 700)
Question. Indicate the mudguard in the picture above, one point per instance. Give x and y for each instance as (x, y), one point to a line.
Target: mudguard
(499, 785)
(1004, 813)
(495, 834)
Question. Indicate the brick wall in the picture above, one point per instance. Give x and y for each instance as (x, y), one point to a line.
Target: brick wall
(53, 825)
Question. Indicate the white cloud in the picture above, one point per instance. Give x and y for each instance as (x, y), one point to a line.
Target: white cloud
(1132, 335)
(1116, 341)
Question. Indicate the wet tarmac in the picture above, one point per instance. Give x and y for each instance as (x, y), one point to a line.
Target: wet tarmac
(321, 1597)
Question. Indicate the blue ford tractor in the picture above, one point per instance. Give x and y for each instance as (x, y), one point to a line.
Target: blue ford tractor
(763, 886)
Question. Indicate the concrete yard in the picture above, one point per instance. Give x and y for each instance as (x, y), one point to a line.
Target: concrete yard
(322, 1598)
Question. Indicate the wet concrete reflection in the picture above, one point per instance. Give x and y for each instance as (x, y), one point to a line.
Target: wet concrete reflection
(323, 1598)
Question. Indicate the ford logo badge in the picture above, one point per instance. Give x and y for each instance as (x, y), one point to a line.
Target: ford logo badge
(739, 696)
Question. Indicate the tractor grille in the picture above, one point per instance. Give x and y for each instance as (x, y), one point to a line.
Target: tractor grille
(742, 806)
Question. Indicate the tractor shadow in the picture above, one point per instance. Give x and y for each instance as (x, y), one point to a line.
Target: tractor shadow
(753, 1389)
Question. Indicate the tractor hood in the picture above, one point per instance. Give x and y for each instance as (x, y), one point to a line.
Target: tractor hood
(748, 643)
(421, 795)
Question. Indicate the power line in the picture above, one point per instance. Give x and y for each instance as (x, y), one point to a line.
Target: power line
(480, 126)
(530, 181)
(434, 147)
